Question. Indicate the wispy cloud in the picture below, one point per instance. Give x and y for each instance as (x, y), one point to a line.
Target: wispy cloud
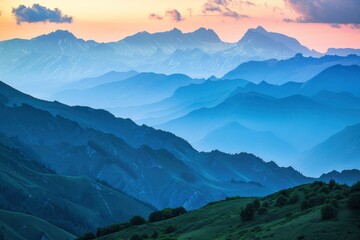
(226, 8)
(333, 12)
(173, 15)
(155, 16)
(38, 13)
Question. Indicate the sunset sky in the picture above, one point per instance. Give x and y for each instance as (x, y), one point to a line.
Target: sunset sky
(318, 24)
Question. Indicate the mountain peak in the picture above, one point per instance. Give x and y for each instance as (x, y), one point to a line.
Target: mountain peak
(260, 29)
(176, 30)
(205, 35)
(58, 35)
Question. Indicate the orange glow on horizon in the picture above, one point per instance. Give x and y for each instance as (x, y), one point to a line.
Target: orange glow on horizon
(113, 20)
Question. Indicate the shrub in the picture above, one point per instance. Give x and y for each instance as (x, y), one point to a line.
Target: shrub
(167, 213)
(354, 200)
(305, 204)
(324, 189)
(247, 213)
(281, 200)
(334, 203)
(110, 229)
(137, 220)
(178, 211)
(155, 234)
(317, 200)
(170, 229)
(265, 204)
(355, 187)
(155, 216)
(332, 184)
(256, 204)
(86, 236)
(328, 212)
(135, 237)
(294, 198)
(144, 236)
(284, 193)
(262, 210)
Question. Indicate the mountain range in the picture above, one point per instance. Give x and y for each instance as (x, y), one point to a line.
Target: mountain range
(295, 69)
(61, 58)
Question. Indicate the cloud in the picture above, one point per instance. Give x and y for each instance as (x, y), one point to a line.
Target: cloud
(38, 13)
(174, 15)
(154, 16)
(334, 12)
(226, 8)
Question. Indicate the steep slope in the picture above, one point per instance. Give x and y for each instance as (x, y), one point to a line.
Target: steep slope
(18, 226)
(117, 153)
(143, 88)
(296, 69)
(75, 204)
(297, 217)
(261, 44)
(235, 138)
(340, 151)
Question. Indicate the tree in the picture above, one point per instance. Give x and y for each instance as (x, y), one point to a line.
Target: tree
(328, 212)
(247, 213)
(294, 198)
(355, 187)
(155, 234)
(135, 237)
(281, 200)
(155, 216)
(167, 213)
(256, 204)
(178, 211)
(262, 210)
(354, 200)
(137, 220)
(86, 236)
(170, 229)
(332, 184)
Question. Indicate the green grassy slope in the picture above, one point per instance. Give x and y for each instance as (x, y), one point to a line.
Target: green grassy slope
(21, 226)
(221, 220)
(75, 204)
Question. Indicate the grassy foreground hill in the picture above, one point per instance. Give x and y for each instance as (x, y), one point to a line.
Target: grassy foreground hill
(74, 204)
(312, 211)
(21, 226)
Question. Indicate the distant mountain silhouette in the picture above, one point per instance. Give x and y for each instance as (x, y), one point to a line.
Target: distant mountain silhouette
(234, 138)
(184, 100)
(296, 69)
(340, 151)
(337, 78)
(343, 51)
(142, 88)
(260, 112)
(59, 58)
(260, 43)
